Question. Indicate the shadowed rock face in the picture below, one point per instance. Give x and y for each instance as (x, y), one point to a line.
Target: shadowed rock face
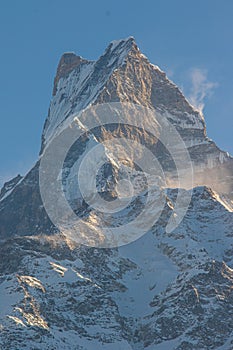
(22, 212)
(8, 186)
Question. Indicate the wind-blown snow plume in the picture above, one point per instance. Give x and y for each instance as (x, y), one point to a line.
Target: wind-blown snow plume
(201, 88)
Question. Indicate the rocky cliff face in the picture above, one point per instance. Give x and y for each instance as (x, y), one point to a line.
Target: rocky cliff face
(166, 290)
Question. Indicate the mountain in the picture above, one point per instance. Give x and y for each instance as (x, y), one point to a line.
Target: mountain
(79, 289)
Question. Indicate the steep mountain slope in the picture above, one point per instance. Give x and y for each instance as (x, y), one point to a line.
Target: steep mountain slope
(165, 290)
(121, 74)
(160, 292)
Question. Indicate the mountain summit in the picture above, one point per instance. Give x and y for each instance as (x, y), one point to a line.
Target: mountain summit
(122, 74)
(166, 289)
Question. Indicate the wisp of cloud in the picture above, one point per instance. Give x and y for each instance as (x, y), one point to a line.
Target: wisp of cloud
(201, 88)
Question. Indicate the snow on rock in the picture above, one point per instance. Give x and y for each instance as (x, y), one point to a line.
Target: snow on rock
(58, 268)
(31, 282)
(140, 296)
(9, 186)
(82, 85)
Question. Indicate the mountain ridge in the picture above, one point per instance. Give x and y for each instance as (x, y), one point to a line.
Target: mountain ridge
(164, 290)
(129, 78)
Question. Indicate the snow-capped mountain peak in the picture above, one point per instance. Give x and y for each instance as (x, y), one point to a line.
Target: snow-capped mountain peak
(169, 289)
(79, 82)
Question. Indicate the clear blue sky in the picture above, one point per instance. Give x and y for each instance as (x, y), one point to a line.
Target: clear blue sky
(183, 37)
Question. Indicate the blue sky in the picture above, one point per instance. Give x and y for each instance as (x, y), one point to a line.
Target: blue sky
(190, 40)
